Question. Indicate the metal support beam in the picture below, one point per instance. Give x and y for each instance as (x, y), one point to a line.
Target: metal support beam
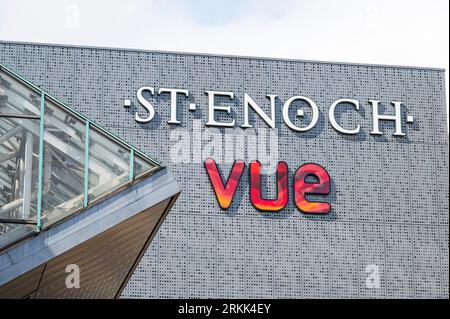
(86, 165)
(72, 152)
(61, 126)
(131, 164)
(28, 172)
(7, 156)
(41, 162)
(20, 173)
(21, 116)
(5, 137)
(11, 206)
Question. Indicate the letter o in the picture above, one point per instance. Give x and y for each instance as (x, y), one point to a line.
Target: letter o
(315, 115)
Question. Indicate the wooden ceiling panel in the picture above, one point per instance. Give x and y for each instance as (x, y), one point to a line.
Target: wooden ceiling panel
(105, 261)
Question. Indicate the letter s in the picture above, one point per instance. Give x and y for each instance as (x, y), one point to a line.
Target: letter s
(146, 104)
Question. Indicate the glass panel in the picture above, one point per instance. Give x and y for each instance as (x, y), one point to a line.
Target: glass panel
(109, 164)
(19, 159)
(9, 233)
(63, 165)
(141, 165)
(63, 160)
(16, 98)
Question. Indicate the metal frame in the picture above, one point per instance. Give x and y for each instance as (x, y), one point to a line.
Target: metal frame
(86, 165)
(20, 116)
(41, 162)
(131, 164)
(92, 203)
(45, 97)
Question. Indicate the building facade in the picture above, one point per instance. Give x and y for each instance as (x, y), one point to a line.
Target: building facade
(386, 235)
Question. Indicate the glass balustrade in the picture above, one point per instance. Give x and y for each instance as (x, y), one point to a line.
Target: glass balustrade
(53, 161)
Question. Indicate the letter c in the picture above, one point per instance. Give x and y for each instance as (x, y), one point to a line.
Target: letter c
(332, 118)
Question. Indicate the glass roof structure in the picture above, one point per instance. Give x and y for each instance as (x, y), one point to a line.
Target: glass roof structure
(54, 162)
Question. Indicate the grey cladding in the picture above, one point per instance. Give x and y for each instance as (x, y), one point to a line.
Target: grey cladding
(389, 195)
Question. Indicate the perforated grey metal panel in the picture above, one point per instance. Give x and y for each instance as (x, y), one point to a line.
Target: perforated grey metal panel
(173, 74)
(230, 257)
(148, 141)
(8, 54)
(442, 183)
(31, 63)
(145, 72)
(371, 255)
(258, 258)
(122, 132)
(427, 270)
(369, 182)
(172, 257)
(343, 260)
(389, 194)
(59, 73)
(396, 188)
(315, 259)
(339, 86)
(392, 88)
(423, 184)
(444, 260)
(312, 83)
(365, 87)
(201, 78)
(341, 167)
(201, 256)
(200, 191)
(284, 83)
(287, 253)
(440, 108)
(144, 281)
(88, 83)
(399, 261)
(257, 85)
(181, 171)
(419, 101)
(116, 88)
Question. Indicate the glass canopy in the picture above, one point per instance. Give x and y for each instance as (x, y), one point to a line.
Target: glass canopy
(54, 162)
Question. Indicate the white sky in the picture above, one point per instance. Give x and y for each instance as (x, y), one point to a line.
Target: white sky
(403, 32)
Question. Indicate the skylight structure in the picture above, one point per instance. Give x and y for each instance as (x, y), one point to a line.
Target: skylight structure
(54, 162)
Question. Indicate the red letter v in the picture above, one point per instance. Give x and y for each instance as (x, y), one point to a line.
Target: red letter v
(224, 194)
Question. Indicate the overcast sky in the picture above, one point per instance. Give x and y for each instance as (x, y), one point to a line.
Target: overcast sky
(403, 32)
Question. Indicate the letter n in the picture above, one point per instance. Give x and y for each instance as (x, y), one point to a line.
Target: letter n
(224, 193)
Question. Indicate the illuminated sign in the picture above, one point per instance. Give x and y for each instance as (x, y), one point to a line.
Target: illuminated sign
(270, 119)
(302, 185)
(225, 191)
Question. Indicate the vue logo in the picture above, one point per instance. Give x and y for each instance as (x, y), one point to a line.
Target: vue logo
(225, 191)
